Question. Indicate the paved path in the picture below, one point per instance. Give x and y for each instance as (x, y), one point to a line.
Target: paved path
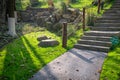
(73, 65)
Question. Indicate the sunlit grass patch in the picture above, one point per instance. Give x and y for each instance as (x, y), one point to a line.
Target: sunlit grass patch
(20, 59)
(111, 66)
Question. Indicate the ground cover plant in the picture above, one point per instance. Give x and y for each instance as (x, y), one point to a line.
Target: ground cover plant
(111, 66)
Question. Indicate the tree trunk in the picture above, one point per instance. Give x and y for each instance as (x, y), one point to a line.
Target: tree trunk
(11, 18)
(2, 11)
(15, 13)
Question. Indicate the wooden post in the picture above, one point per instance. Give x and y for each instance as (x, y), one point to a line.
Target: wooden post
(64, 35)
(99, 1)
(83, 19)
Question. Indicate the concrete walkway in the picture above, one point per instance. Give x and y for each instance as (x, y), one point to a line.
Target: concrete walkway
(73, 65)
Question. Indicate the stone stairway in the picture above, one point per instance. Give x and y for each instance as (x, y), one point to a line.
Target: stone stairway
(98, 39)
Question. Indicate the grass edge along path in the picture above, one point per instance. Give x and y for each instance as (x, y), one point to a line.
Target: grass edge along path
(111, 65)
(20, 59)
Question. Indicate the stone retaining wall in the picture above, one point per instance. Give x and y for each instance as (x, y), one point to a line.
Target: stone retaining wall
(30, 14)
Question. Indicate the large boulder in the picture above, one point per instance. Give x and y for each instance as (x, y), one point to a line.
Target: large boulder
(48, 42)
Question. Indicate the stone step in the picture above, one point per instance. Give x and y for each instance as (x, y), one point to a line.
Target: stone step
(105, 28)
(109, 18)
(93, 42)
(112, 11)
(107, 24)
(107, 21)
(111, 15)
(115, 6)
(97, 38)
(91, 47)
(116, 2)
(102, 33)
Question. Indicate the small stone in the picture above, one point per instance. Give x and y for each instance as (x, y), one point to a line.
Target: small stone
(48, 42)
(95, 73)
(42, 38)
(99, 71)
(77, 70)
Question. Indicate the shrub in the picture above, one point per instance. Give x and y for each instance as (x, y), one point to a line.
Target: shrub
(90, 17)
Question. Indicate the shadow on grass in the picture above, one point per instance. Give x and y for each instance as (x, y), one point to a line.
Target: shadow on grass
(19, 63)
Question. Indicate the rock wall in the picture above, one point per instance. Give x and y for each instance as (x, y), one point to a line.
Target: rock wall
(47, 14)
(31, 14)
(49, 17)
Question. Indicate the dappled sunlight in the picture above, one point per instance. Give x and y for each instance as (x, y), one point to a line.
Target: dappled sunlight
(23, 57)
(18, 60)
(30, 52)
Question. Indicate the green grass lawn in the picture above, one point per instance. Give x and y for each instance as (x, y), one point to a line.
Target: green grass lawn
(20, 59)
(111, 66)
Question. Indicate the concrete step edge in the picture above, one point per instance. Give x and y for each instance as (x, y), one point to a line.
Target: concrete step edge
(91, 47)
(99, 28)
(94, 41)
(97, 38)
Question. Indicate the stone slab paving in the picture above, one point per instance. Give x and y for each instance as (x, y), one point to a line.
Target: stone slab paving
(73, 65)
